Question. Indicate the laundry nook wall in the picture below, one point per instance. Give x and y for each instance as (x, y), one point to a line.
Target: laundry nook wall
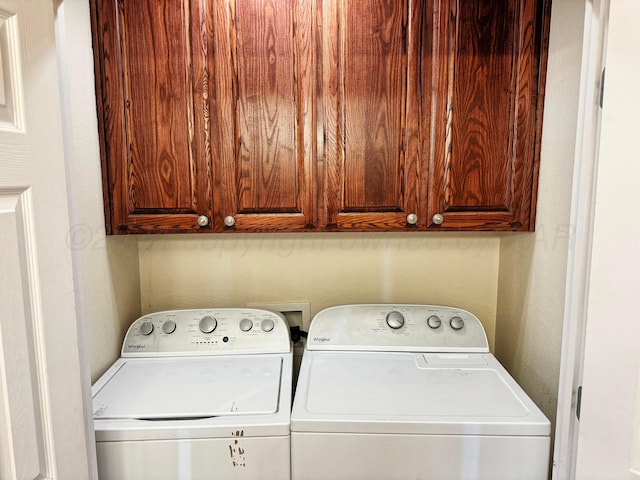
(322, 269)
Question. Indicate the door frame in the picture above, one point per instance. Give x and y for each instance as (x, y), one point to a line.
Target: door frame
(67, 15)
(581, 218)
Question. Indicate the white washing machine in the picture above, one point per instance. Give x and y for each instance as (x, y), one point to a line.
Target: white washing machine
(410, 392)
(197, 394)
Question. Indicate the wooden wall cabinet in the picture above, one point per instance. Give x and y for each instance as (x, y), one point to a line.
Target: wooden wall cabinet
(489, 83)
(319, 115)
(151, 113)
(373, 106)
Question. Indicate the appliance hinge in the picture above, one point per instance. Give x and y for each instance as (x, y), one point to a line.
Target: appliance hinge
(601, 99)
(579, 402)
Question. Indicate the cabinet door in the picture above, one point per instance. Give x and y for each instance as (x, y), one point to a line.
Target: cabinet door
(372, 114)
(262, 114)
(149, 73)
(488, 105)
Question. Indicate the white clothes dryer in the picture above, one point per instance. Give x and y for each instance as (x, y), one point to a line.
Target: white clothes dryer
(410, 392)
(197, 394)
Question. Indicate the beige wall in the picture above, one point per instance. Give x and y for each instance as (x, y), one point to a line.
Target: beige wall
(106, 274)
(323, 269)
(532, 268)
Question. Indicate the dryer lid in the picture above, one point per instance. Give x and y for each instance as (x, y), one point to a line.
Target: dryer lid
(184, 388)
(412, 393)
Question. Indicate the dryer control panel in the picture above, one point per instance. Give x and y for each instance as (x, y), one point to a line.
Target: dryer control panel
(406, 328)
(207, 332)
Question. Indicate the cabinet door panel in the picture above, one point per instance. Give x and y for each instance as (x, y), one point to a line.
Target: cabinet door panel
(156, 59)
(482, 175)
(261, 119)
(483, 104)
(372, 112)
(374, 88)
(156, 177)
(266, 107)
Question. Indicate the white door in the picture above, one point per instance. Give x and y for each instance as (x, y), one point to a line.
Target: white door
(42, 428)
(609, 428)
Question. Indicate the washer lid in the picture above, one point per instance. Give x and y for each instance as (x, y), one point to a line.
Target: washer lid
(412, 393)
(182, 388)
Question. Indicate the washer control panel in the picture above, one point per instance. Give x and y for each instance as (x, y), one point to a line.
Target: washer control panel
(207, 332)
(382, 327)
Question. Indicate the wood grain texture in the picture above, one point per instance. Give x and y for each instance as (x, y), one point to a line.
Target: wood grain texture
(482, 105)
(157, 103)
(485, 136)
(108, 95)
(539, 75)
(373, 74)
(372, 113)
(331, 127)
(264, 112)
(148, 102)
(200, 130)
(320, 115)
(266, 106)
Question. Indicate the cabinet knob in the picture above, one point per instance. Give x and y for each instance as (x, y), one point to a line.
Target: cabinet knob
(229, 221)
(438, 219)
(203, 220)
(412, 219)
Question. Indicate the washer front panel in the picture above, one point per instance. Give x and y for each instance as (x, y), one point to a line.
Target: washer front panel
(213, 331)
(235, 458)
(381, 327)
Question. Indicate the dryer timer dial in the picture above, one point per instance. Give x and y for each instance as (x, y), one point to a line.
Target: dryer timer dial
(457, 323)
(434, 322)
(395, 319)
(146, 328)
(267, 325)
(207, 324)
(169, 327)
(246, 324)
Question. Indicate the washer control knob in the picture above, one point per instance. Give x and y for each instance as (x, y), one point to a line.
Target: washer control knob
(267, 325)
(395, 319)
(246, 324)
(456, 323)
(434, 321)
(146, 328)
(207, 324)
(169, 327)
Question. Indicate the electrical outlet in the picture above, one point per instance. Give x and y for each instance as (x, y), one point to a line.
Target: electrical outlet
(297, 313)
